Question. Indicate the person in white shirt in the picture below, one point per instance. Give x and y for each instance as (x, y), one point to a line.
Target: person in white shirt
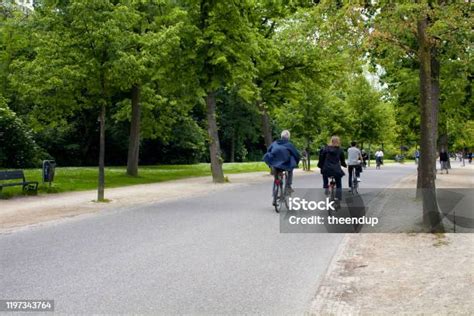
(379, 158)
(354, 159)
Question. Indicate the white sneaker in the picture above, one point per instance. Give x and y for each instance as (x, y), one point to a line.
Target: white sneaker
(358, 180)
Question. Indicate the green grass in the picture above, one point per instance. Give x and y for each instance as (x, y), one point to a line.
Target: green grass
(69, 179)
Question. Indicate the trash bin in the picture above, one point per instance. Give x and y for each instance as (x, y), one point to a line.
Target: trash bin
(49, 168)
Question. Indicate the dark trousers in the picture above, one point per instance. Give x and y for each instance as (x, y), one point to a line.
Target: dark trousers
(338, 185)
(289, 179)
(350, 174)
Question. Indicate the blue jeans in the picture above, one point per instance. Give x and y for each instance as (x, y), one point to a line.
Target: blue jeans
(338, 185)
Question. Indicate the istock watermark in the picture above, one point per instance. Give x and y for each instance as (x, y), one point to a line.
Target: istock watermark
(374, 210)
(297, 204)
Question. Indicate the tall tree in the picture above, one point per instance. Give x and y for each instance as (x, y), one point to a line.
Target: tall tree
(77, 46)
(420, 31)
(149, 39)
(428, 125)
(225, 48)
(371, 119)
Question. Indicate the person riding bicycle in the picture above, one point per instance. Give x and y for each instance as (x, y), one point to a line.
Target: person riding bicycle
(282, 155)
(331, 158)
(354, 160)
(379, 157)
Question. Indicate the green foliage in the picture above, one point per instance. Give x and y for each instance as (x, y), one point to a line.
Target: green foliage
(186, 143)
(239, 124)
(464, 136)
(390, 39)
(302, 62)
(371, 120)
(17, 146)
(225, 46)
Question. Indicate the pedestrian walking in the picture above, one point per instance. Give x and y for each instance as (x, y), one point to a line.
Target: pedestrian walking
(417, 156)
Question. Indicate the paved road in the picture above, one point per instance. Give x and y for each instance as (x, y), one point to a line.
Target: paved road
(213, 254)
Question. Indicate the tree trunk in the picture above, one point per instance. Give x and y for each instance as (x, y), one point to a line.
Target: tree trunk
(214, 146)
(134, 140)
(232, 147)
(266, 126)
(435, 87)
(443, 141)
(308, 152)
(435, 95)
(418, 178)
(100, 191)
(427, 167)
(369, 156)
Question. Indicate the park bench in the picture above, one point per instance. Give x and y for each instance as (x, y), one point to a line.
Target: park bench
(7, 177)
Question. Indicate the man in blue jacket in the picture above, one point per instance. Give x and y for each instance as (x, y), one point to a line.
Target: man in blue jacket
(282, 155)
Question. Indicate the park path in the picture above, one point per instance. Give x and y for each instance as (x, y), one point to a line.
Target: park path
(23, 211)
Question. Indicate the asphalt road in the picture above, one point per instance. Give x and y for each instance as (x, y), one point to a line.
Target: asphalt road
(213, 254)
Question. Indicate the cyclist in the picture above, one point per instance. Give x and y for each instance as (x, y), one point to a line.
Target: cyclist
(282, 155)
(354, 159)
(379, 158)
(331, 158)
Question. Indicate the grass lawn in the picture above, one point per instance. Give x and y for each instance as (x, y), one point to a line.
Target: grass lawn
(85, 178)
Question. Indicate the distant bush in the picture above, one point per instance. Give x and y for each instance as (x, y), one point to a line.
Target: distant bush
(186, 145)
(17, 146)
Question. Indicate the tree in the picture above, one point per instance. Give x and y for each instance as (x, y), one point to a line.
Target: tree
(420, 32)
(269, 18)
(78, 43)
(149, 40)
(239, 124)
(15, 43)
(225, 46)
(371, 119)
(313, 67)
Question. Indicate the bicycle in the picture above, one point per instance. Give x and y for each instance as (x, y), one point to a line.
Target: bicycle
(280, 192)
(332, 194)
(378, 161)
(355, 182)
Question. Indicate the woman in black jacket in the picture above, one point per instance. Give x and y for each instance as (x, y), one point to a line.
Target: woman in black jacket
(331, 158)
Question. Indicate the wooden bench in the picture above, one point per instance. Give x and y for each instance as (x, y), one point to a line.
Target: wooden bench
(16, 175)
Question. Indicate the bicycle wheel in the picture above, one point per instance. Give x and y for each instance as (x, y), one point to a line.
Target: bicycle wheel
(332, 197)
(277, 188)
(285, 191)
(355, 183)
(279, 197)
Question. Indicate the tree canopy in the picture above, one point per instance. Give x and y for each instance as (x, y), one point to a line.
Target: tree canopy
(188, 81)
